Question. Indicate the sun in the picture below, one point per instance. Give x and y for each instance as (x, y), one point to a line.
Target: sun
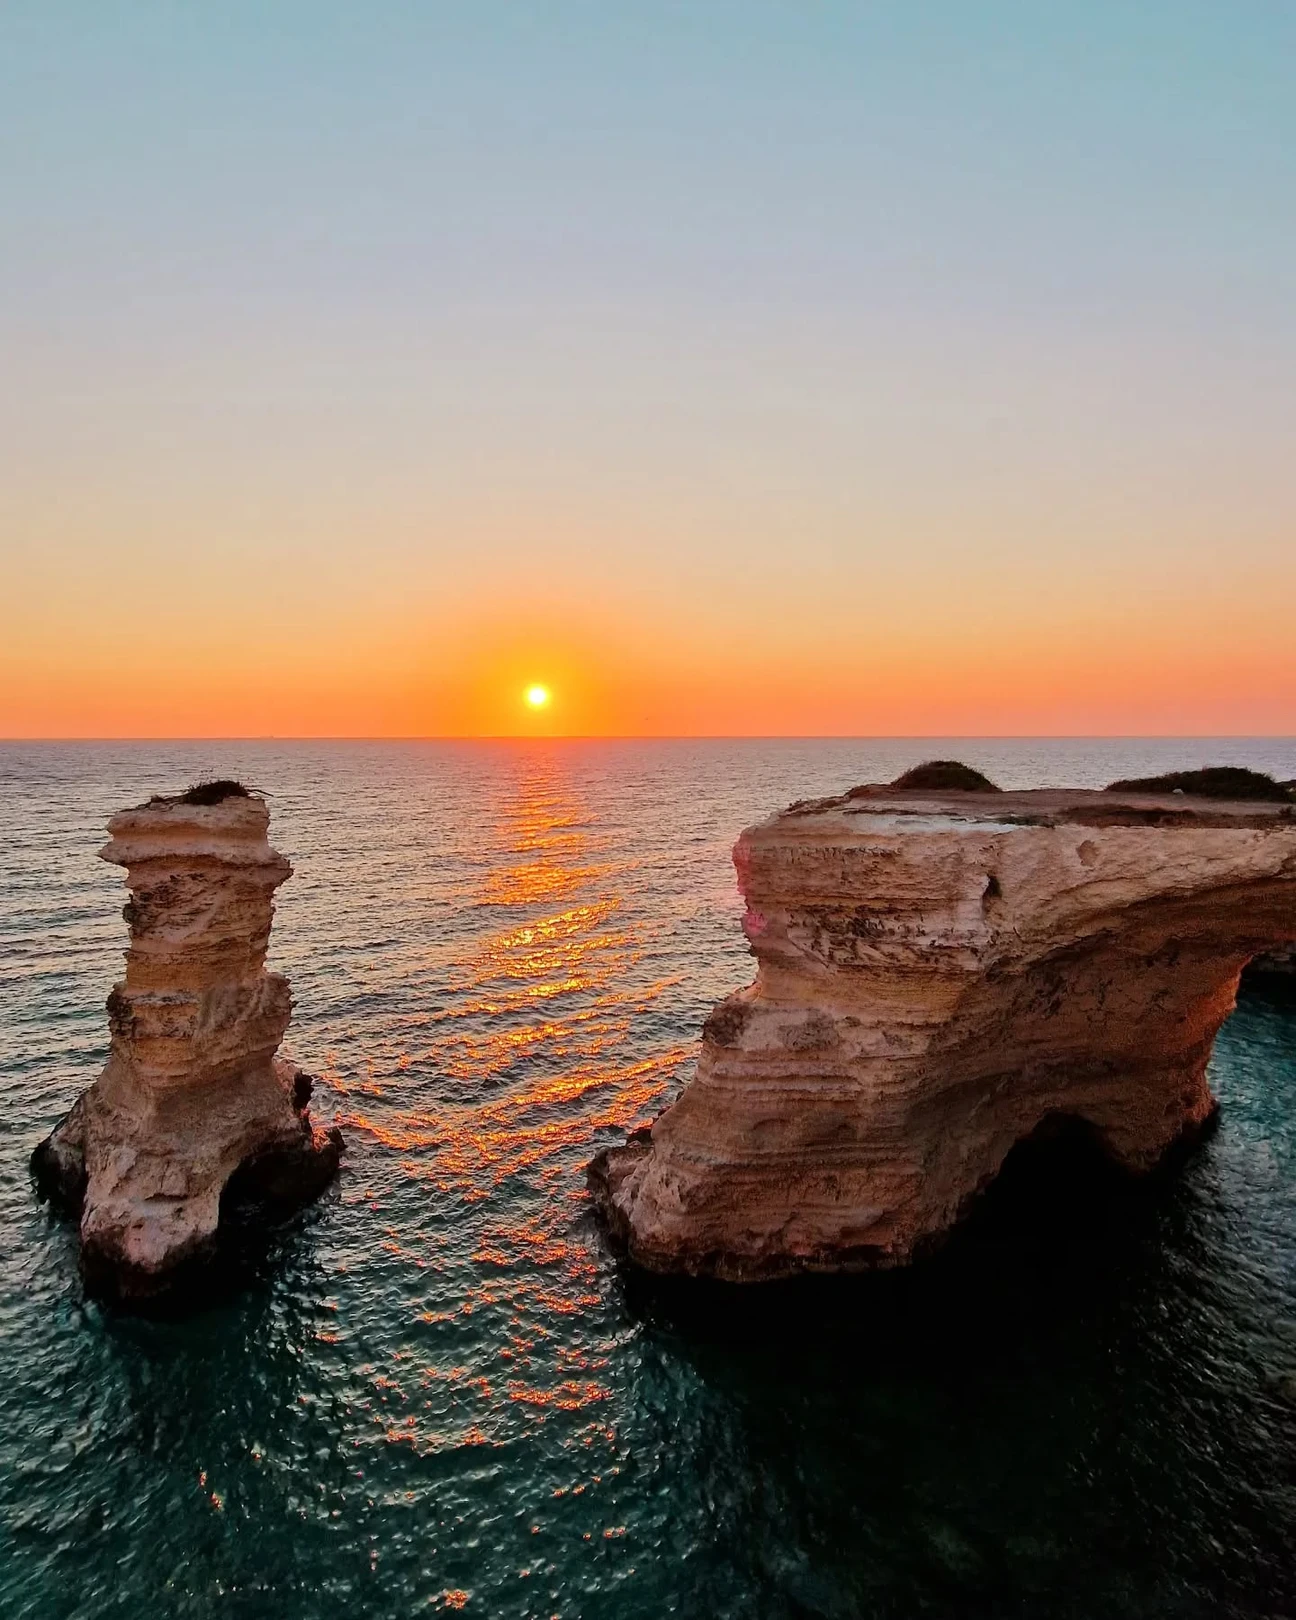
(537, 697)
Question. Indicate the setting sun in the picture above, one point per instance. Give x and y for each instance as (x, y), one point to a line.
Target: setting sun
(537, 697)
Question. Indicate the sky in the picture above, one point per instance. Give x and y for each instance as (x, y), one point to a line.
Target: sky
(728, 368)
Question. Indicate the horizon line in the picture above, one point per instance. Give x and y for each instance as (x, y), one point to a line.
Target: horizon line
(744, 736)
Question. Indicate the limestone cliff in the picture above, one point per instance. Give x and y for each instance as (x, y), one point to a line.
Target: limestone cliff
(939, 973)
(193, 1091)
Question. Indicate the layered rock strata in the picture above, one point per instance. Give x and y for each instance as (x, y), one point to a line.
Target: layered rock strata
(939, 974)
(193, 1094)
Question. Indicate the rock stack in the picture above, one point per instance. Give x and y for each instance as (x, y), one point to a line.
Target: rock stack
(941, 973)
(193, 1094)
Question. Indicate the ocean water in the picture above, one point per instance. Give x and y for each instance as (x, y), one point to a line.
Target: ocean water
(437, 1391)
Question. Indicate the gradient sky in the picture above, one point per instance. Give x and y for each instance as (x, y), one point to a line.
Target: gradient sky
(733, 368)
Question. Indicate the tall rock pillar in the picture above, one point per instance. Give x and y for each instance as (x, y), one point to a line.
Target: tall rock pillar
(193, 1090)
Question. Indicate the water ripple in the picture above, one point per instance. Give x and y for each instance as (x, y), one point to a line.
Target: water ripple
(439, 1394)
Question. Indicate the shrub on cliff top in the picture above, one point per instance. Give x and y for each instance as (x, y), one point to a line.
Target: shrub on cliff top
(1214, 782)
(215, 792)
(945, 776)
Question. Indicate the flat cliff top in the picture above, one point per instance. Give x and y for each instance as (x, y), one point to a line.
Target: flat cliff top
(232, 831)
(868, 809)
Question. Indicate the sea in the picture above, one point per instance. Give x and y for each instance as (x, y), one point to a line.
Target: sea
(437, 1390)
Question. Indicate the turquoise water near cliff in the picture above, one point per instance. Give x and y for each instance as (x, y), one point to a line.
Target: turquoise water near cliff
(439, 1393)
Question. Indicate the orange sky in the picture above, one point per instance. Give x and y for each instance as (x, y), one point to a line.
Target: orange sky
(972, 665)
(665, 615)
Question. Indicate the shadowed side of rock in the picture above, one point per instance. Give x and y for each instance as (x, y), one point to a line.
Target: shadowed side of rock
(194, 1098)
(1280, 964)
(938, 974)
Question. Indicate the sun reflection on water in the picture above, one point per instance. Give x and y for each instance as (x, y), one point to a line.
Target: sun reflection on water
(530, 1048)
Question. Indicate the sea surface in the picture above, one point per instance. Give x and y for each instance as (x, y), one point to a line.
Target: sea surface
(438, 1392)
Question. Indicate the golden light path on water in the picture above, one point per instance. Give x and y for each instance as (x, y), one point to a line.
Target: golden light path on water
(539, 1034)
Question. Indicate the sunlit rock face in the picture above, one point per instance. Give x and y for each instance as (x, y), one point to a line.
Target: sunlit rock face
(938, 976)
(193, 1091)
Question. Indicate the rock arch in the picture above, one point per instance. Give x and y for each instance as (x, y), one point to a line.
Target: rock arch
(912, 1020)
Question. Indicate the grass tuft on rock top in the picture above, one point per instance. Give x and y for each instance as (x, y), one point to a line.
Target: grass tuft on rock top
(1213, 782)
(214, 792)
(946, 776)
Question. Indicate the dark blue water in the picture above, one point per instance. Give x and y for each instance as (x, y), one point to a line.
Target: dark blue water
(438, 1392)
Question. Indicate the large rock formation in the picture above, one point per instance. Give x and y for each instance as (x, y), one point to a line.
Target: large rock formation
(939, 974)
(193, 1094)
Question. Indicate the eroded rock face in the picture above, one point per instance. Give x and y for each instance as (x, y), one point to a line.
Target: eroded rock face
(193, 1091)
(939, 975)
